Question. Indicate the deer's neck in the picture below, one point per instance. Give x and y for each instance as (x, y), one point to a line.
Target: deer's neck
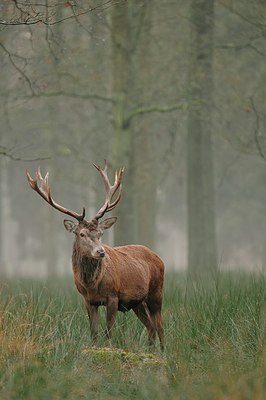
(87, 267)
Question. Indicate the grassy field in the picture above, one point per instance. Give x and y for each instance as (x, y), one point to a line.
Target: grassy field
(215, 344)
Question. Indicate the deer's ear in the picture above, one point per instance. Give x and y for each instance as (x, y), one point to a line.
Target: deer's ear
(107, 223)
(70, 225)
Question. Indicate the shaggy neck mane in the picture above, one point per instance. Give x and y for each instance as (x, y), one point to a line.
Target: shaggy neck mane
(88, 268)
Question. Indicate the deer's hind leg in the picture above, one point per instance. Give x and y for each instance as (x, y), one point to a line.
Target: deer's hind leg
(154, 307)
(158, 324)
(143, 313)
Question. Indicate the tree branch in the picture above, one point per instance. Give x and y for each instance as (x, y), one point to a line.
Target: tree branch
(17, 68)
(30, 15)
(242, 16)
(85, 96)
(4, 151)
(154, 108)
(257, 133)
(249, 44)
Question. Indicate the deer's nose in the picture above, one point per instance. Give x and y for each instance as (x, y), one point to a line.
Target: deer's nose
(101, 252)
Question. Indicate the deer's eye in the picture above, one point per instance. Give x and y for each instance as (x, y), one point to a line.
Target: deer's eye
(82, 235)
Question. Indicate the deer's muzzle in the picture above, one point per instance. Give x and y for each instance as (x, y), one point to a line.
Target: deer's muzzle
(101, 253)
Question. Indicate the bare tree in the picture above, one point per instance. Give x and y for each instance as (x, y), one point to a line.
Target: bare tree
(49, 12)
(200, 180)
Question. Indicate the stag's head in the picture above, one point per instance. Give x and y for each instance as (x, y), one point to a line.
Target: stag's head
(88, 233)
(88, 239)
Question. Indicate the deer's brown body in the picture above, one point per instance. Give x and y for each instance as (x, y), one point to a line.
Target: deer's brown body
(120, 278)
(128, 277)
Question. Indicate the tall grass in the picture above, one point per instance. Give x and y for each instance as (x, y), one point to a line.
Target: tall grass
(215, 343)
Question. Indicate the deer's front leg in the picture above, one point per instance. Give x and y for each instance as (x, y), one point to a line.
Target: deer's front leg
(93, 317)
(112, 307)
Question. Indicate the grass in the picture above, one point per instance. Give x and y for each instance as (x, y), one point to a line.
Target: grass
(215, 344)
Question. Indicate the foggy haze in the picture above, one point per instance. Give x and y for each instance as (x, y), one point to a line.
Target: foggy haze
(62, 97)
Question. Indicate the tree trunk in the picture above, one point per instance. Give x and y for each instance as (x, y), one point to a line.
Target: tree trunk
(144, 149)
(2, 218)
(122, 137)
(50, 237)
(144, 187)
(200, 180)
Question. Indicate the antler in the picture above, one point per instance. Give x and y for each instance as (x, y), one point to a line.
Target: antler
(44, 191)
(109, 189)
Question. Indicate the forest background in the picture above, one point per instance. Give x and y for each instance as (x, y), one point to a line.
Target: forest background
(173, 90)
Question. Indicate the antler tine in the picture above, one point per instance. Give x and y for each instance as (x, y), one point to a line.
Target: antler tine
(118, 179)
(110, 189)
(44, 191)
(116, 201)
(103, 173)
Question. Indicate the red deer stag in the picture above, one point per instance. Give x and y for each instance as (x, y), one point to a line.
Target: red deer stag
(120, 278)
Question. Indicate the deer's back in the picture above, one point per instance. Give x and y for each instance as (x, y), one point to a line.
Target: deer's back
(137, 268)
